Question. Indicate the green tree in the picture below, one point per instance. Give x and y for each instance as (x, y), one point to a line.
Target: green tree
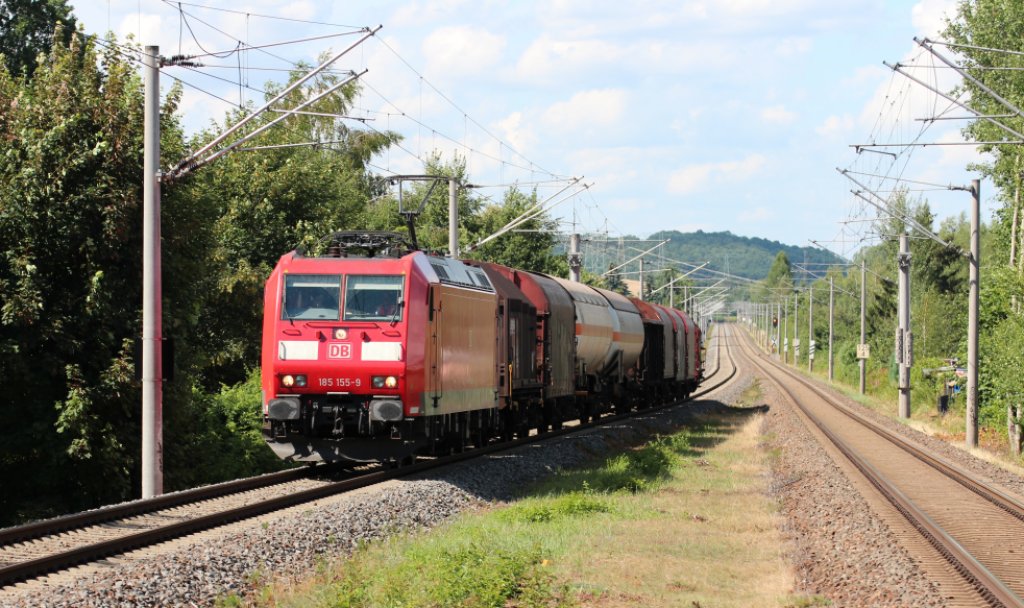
(69, 211)
(70, 224)
(27, 29)
(778, 284)
(260, 205)
(613, 282)
(532, 246)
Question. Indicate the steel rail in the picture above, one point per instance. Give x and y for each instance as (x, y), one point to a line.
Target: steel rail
(72, 521)
(26, 570)
(987, 584)
(997, 497)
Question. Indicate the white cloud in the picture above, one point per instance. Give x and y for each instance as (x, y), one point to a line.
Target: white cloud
(418, 13)
(929, 16)
(690, 178)
(546, 58)
(462, 50)
(866, 76)
(694, 177)
(778, 115)
(836, 126)
(557, 61)
(300, 9)
(146, 28)
(518, 135)
(629, 204)
(586, 109)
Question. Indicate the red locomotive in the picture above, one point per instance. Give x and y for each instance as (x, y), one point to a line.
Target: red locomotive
(374, 352)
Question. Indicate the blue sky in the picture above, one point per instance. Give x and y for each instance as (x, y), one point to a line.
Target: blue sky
(685, 115)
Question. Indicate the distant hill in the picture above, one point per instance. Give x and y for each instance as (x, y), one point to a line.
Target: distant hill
(749, 257)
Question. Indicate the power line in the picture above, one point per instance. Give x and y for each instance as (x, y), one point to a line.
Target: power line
(466, 114)
(247, 47)
(449, 138)
(900, 179)
(971, 46)
(261, 16)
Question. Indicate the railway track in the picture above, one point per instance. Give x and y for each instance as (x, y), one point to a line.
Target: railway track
(968, 532)
(50, 546)
(718, 375)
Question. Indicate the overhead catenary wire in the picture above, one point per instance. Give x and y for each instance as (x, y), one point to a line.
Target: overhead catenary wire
(926, 43)
(447, 137)
(899, 179)
(981, 115)
(899, 160)
(183, 166)
(247, 47)
(642, 253)
(533, 212)
(501, 142)
(259, 15)
(189, 21)
(221, 152)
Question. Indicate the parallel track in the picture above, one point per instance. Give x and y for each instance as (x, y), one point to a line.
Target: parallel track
(969, 549)
(19, 541)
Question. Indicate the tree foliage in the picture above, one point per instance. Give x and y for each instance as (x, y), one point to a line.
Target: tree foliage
(990, 28)
(69, 211)
(27, 29)
(70, 271)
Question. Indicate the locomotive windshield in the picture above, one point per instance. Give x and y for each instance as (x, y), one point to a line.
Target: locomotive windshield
(374, 298)
(311, 296)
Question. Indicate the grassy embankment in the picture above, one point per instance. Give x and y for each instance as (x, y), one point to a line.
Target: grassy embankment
(684, 520)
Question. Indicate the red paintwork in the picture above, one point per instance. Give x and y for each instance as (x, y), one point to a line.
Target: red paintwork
(410, 332)
(647, 312)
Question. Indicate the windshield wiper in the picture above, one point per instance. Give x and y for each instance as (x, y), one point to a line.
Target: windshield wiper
(398, 309)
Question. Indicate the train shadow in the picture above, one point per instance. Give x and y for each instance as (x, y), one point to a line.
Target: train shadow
(625, 456)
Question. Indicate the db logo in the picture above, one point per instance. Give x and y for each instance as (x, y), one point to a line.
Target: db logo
(339, 351)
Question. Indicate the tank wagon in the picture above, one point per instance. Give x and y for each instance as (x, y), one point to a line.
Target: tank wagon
(373, 352)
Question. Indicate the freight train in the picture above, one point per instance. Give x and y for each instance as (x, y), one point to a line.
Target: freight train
(376, 352)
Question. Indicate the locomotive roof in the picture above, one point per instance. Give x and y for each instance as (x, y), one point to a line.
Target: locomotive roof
(453, 272)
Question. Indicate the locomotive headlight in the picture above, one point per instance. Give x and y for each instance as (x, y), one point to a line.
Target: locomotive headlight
(290, 380)
(384, 381)
(340, 333)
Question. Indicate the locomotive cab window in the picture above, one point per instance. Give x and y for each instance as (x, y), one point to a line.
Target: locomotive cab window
(374, 298)
(311, 297)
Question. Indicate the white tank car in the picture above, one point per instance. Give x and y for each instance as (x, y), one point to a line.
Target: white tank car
(628, 334)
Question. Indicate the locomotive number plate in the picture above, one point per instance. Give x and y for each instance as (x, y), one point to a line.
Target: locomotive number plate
(340, 382)
(339, 351)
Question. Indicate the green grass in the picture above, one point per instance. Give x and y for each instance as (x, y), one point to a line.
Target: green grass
(676, 503)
